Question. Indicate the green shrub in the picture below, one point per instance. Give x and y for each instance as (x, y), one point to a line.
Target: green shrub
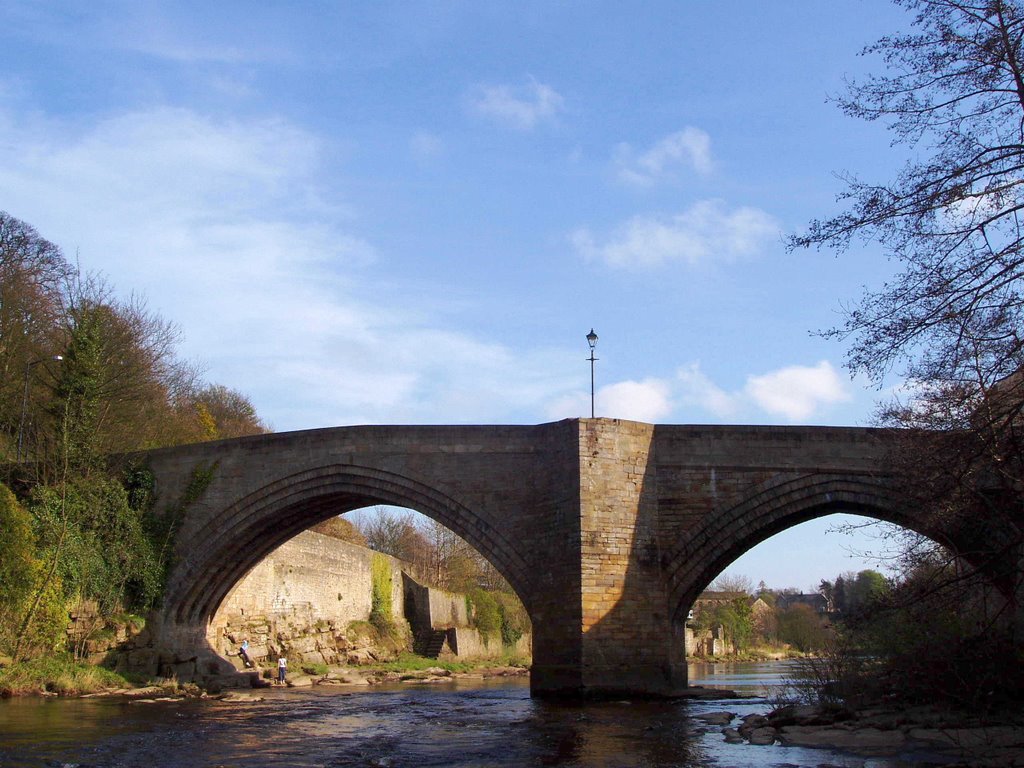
(486, 615)
(514, 620)
(32, 615)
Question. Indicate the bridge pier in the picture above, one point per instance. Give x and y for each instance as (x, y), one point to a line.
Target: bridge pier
(608, 631)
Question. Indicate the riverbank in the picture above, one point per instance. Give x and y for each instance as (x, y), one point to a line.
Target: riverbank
(64, 676)
(751, 654)
(358, 676)
(60, 675)
(992, 741)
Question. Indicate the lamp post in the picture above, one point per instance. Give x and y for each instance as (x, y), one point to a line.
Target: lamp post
(592, 341)
(24, 399)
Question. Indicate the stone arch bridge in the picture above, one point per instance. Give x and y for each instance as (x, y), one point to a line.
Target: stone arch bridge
(606, 529)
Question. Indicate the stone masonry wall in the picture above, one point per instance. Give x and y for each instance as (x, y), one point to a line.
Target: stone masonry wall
(301, 599)
(626, 627)
(607, 529)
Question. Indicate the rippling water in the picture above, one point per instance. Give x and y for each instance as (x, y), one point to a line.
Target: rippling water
(464, 723)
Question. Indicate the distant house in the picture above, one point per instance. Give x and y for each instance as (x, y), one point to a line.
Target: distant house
(818, 602)
(708, 601)
(763, 616)
(704, 639)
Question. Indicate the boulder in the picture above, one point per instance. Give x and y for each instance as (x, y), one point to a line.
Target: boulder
(867, 740)
(762, 736)
(717, 718)
(360, 656)
(732, 736)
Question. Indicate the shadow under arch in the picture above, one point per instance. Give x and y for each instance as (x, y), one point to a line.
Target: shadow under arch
(775, 506)
(232, 543)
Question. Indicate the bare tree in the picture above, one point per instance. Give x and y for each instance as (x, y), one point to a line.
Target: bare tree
(454, 564)
(221, 412)
(33, 273)
(951, 322)
(732, 582)
(955, 93)
(340, 528)
(394, 533)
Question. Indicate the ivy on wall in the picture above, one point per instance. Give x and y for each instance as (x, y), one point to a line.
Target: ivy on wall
(381, 606)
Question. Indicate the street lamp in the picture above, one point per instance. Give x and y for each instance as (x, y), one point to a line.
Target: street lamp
(24, 399)
(592, 341)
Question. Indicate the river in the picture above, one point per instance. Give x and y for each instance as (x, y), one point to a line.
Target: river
(462, 723)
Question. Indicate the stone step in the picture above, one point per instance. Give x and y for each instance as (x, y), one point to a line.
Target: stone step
(430, 643)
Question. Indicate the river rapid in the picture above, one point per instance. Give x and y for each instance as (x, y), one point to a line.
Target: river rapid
(461, 723)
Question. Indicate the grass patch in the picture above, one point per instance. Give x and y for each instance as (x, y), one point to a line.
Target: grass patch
(58, 674)
(750, 654)
(411, 662)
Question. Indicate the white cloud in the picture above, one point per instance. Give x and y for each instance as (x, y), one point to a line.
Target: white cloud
(690, 147)
(697, 389)
(521, 107)
(794, 393)
(224, 228)
(648, 400)
(182, 37)
(797, 392)
(704, 232)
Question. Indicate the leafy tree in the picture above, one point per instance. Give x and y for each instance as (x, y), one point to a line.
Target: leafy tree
(120, 377)
(32, 615)
(118, 386)
(737, 618)
(18, 567)
(515, 622)
(85, 375)
(99, 542)
(486, 615)
(855, 592)
(800, 626)
(868, 588)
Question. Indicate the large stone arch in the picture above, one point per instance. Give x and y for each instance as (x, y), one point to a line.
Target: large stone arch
(606, 529)
(223, 549)
(780, 503)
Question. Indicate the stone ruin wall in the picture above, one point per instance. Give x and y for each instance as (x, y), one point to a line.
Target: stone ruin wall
(302, 598)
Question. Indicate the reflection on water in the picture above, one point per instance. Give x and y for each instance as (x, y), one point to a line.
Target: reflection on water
(458, 724)
(754, 678)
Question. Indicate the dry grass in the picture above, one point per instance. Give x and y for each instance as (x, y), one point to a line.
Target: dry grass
(59, 674)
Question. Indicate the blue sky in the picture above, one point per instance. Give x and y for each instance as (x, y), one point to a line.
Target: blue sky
(383, 212)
